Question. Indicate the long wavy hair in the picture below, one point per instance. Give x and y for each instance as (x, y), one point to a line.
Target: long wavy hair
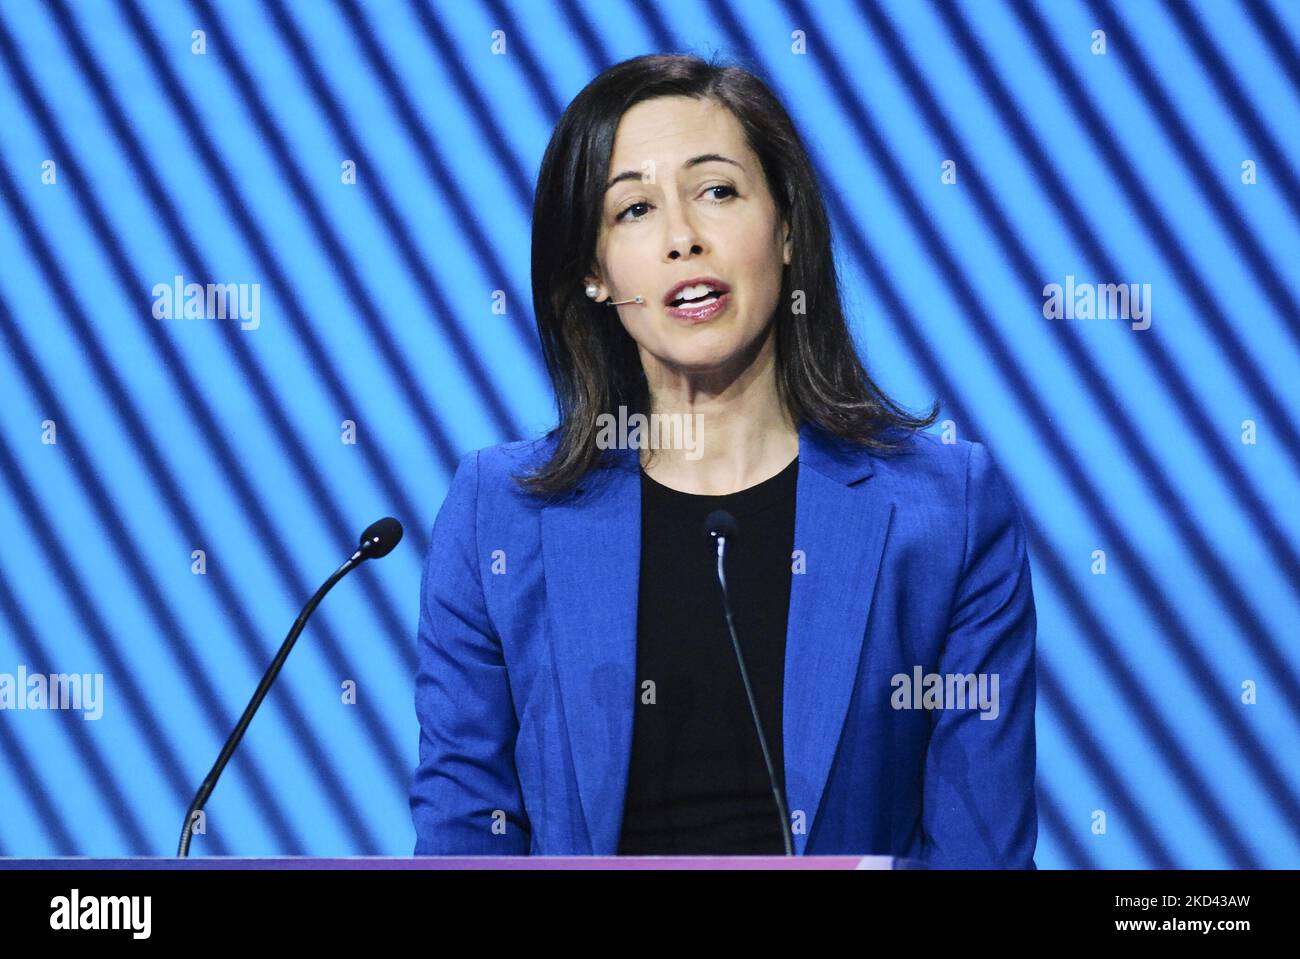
(593, 363)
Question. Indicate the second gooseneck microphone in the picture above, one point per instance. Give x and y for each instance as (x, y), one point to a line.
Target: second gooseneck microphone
(377, 541)
(721, 526)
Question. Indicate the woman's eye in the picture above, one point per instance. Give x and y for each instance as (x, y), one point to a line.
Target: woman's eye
(628, 209)
(731, 191)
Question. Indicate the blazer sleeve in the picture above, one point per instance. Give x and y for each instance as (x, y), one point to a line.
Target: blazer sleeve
(979, 808)
(465, 796)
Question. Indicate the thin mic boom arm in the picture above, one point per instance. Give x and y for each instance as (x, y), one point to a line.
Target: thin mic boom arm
(378, 540)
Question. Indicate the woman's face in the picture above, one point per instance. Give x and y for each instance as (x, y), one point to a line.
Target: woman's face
(689, 199)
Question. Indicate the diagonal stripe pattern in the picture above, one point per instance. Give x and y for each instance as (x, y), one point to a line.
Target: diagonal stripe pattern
(357, 177)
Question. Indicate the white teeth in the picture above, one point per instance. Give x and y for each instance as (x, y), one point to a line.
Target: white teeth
(693, 291)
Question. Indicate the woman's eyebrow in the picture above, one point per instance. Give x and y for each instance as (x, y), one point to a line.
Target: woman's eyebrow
(692, 162)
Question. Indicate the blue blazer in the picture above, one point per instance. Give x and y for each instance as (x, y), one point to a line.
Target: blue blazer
(912, 563)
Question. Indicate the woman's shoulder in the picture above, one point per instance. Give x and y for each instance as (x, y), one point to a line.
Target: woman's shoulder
(502, 459)
(939, 467)
(495, 470)
(923, 453)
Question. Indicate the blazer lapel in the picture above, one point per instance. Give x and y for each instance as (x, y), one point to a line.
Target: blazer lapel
(840, 529)
(591, 550)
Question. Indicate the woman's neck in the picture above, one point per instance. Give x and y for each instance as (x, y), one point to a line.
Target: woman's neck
(744, 435)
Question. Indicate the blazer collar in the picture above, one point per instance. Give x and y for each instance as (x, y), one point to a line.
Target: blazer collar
(591, 549)
(818, 449)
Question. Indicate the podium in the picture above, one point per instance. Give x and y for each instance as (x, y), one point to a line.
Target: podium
(473, 863)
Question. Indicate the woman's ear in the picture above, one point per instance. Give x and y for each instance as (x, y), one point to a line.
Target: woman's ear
(592, 279)
(789, 245)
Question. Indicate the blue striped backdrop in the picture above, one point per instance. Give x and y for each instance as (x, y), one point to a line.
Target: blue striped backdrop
(376, 307)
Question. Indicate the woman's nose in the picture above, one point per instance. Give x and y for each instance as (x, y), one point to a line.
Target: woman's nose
(682, 234)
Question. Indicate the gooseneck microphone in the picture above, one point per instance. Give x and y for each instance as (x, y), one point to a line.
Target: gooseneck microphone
(378, 540)
(721, 526)
(635, 299)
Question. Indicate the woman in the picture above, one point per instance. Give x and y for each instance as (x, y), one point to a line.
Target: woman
(580, 689)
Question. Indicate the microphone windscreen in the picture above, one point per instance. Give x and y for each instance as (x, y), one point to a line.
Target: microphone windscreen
(380, 537)
(720, 523)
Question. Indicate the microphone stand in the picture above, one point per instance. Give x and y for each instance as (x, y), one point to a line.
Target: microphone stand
(375, 542)
(753, 705)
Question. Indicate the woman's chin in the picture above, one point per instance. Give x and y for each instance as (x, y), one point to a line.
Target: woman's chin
(704, 349)
(704, 361)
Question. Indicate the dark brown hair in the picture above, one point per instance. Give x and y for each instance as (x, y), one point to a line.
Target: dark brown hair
(592, 361)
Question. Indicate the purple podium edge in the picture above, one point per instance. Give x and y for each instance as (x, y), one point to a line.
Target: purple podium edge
(467, 862)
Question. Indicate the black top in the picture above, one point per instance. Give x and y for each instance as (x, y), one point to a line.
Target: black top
(697, 783)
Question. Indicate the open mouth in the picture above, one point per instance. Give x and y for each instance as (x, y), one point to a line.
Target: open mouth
(696, 300)
(695, 293)
(699, 309)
